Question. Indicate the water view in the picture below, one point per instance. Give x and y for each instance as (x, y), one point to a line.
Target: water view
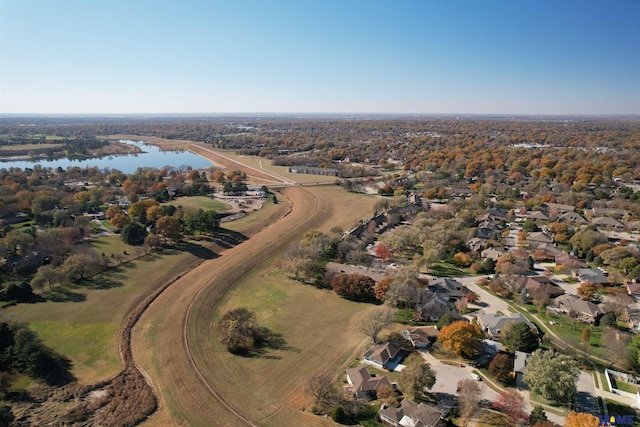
(151, 157)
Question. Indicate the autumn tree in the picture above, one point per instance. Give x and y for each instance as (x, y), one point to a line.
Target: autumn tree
(581, 419)
(169, 228)
(415, 380)
(375, 320)
(468, 400)
(383, 252)
(501, 367)
(381, 288)
(511, 403)
(586, 334)
(552, 375)
(356, 287)
(587, 290)
(463, 338)
(518, 336)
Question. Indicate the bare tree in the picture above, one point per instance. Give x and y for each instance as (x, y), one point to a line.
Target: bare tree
(375, 320)
(468, 400)
(615, 343)
(320, 387)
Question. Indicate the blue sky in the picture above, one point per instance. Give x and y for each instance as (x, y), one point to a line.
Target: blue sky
(320, 56)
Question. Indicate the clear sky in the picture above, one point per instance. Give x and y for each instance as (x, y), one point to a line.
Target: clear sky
(320, 56)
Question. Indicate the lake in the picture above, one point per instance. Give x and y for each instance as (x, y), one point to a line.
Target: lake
(151, 157)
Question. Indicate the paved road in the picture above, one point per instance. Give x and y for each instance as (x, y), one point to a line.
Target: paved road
(488, 303)
(586, 400)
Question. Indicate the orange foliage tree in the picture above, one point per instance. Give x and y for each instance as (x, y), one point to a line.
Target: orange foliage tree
(463, 338)
(581, 419)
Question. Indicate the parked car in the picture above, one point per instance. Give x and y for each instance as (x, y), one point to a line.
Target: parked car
(476, 377)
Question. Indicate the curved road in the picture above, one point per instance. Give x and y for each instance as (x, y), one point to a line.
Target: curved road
(172, 341)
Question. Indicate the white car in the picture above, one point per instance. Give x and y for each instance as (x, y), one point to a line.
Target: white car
(475, 377)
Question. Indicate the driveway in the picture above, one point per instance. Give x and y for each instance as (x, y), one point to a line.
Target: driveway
(586, 400)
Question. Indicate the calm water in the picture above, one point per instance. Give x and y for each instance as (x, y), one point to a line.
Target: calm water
(151, 157)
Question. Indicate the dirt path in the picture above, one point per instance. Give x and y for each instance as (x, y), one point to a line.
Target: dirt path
(170, 339)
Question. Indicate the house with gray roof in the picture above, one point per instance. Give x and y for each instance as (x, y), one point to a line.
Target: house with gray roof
(572, 217)
(572, 305)
(411, 414)
(592, 275)
(520, 366)
(382, 355)
(493, 324)
(606, 223)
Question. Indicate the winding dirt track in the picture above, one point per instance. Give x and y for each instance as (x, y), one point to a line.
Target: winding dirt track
(173, 338)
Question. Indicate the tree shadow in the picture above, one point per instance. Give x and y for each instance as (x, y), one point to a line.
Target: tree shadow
(266, 342)
(198, 250)
(64, 295)
(100, 282)
(228, 238)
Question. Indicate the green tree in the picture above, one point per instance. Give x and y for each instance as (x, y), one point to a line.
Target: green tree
(518, 336)
(240, 330)
(133, 234)
(537, 415)
(552, 375)
(416, 380)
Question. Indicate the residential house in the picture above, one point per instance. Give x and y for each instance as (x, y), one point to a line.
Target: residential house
(606, 223)
(520, 366)
(384, 355)
(476, 244)
(609, 212)
(538, 284)
(363, 385)
(448, 288)
(633, 226)
(570, 262)
(632, 315)
(335, 268)
(431, 307)
(439, 298)
(572, 305)
(560, 208)
(421, 336)
(493, 324)
(537, 216)
(538, 238)
(592, 275)
(493, 253)
(572, 218)
(411, 414)
(633, 289)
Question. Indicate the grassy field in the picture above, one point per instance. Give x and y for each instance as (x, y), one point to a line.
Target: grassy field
(200, 202)
(315, 327)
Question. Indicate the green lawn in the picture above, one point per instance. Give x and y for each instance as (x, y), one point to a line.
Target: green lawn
(444, 269)
(200, 202)
(82, 321)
